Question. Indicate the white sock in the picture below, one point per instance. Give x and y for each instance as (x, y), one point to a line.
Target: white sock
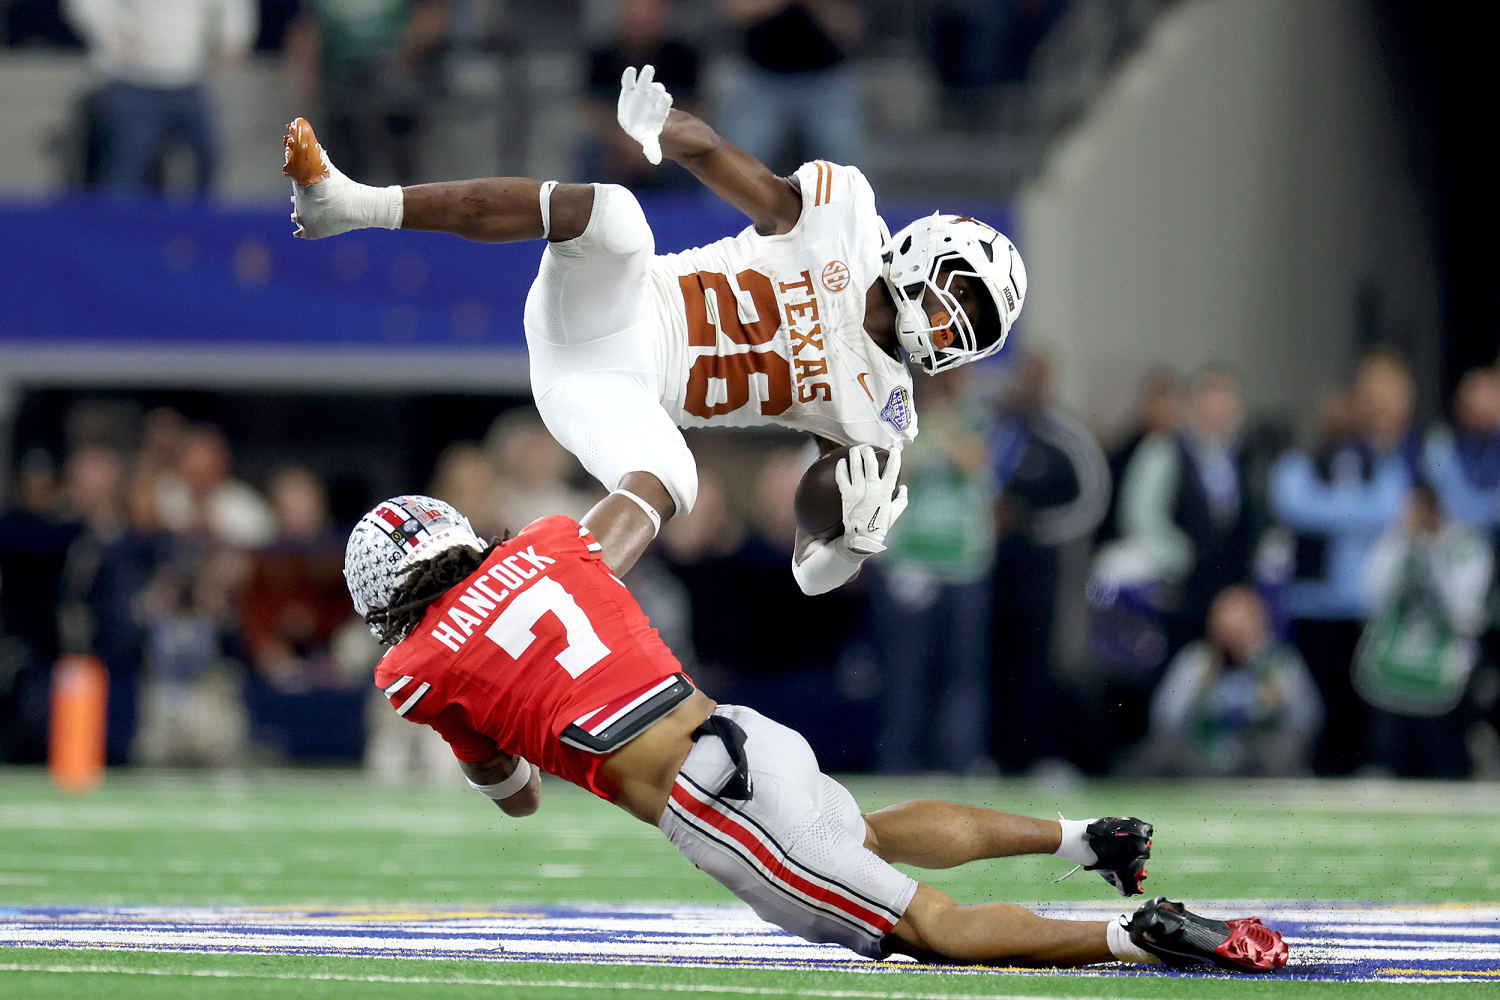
(1075, 842)
(1122, 947)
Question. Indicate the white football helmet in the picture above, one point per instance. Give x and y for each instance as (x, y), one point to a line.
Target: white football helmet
(915, 258)
(391, 537)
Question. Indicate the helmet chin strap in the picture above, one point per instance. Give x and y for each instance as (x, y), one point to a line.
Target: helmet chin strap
(910, 324)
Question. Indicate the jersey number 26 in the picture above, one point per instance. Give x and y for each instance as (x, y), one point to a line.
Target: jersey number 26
(733, 370)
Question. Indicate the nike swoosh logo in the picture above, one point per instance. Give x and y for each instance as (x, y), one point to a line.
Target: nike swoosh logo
(865, 385)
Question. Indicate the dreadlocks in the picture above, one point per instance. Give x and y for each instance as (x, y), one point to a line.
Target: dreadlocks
(421, 584)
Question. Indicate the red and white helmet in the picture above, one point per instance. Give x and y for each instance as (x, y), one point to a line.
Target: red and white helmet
(928, 255)
(394, 535)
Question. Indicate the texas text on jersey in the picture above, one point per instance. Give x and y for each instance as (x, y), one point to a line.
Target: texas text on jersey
(770, 329)
(540, 652)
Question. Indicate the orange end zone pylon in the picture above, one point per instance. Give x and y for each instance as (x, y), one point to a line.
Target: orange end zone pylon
(80, 695)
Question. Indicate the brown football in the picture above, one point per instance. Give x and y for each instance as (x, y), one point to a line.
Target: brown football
(819, 507)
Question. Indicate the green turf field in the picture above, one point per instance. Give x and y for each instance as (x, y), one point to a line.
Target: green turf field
(334, 839)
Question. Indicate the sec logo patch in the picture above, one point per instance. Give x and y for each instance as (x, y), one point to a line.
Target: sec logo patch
(835, 276)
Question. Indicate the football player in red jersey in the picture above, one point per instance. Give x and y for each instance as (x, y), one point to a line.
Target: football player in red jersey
(812, 318)
(529, 654)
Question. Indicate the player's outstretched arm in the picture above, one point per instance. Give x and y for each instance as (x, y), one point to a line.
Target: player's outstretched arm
(621, 524)
(497, 778)
(645, 112)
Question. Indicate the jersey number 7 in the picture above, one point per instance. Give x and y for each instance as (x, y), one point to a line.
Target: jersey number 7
(514, 630)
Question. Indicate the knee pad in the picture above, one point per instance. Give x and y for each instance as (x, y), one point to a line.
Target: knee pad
(618, 222)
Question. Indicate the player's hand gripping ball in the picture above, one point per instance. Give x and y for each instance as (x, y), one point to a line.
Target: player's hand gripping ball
(823, 505)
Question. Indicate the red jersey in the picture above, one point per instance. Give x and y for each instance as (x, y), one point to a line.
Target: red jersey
(540, 652)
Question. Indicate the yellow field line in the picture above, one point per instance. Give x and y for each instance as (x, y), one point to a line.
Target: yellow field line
(1438, 972)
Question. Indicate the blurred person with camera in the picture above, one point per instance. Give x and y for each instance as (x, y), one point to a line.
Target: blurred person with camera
(1236, 703)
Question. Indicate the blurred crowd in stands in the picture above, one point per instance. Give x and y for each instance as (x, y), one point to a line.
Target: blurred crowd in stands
(1202, 594)
(372, 73)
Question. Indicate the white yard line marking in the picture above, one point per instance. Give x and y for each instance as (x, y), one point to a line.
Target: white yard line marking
(560, 984)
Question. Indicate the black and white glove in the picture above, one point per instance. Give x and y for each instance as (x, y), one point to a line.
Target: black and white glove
(643, 108)
(872, 500)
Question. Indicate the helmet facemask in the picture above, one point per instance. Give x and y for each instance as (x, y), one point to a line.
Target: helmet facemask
(926, 257)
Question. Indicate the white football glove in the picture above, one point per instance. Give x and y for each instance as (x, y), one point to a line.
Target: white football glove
(643, 108)
(872, 501)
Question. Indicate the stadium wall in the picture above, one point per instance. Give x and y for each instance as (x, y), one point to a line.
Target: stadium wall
(1240, 195)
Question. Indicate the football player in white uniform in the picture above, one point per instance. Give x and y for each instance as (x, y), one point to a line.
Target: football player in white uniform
(808, 319)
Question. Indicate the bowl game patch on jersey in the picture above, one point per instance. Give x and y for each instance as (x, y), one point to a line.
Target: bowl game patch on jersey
(897, 409)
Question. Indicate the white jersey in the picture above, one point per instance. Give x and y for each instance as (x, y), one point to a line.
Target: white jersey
(763, 330)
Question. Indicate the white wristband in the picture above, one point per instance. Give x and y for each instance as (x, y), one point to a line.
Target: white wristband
(826, 565)
(507, 786)
(649, 510)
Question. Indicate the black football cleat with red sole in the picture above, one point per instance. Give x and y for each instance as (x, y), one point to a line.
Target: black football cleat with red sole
(1181, 938)
(1122, 844)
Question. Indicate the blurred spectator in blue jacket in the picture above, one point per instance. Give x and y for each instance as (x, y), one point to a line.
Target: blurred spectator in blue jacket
(795, 97)
(156, 61)
(1337, 498)
(1426, 579)
(931, 593)
(1236, 702)
(1186, 501)
(1463, 461)
(369, 70)
(642, 36)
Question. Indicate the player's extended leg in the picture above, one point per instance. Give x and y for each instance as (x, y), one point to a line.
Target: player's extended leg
(937, 927)
(489, 210)
(933, 834)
